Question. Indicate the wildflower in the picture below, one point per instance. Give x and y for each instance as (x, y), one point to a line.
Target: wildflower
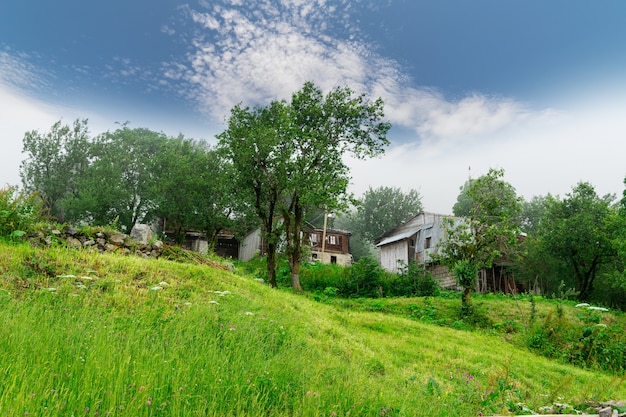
(157, 288)
(594, 308)
(51, 289)
(163, 284)
(582, 305)
(213, 302)
(249, 313)
(149, 402)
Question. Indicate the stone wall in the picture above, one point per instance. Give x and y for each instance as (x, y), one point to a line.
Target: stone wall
(100, 240)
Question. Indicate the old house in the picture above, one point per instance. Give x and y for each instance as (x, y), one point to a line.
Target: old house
(416, 239)
(329, 246)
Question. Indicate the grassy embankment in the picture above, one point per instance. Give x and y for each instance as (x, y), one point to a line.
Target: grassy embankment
(94, 335)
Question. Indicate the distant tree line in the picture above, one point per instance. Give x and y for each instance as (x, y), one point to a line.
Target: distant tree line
(131, 176)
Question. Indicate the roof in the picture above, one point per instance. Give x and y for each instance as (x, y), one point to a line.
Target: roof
(421, 221)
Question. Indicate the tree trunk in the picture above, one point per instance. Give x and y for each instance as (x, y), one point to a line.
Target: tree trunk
(295, 278)
(466, 302)
(271, 265)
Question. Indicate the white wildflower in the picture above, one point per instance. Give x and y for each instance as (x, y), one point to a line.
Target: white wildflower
(249, 313)
(600, 325)
(81, 286)
(187, 303)
(582, 305)
(594, 308)
(157, 288)
(51, 289)
(163, 284)
(213, 302)
(67, 276)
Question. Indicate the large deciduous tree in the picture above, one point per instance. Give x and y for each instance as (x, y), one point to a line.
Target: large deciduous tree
(289, 156)
(579, 231)
(118, 185)
(55, 161)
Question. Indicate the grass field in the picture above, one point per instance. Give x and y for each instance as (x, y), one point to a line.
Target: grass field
(86, 334)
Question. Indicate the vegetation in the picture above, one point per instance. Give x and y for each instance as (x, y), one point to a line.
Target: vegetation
(489, 232)
(90, 334)
(288, 159)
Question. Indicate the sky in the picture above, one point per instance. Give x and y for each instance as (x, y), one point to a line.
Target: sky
(536, 88)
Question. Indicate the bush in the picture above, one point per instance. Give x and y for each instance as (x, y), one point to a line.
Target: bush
(413, 280)
(19, 213)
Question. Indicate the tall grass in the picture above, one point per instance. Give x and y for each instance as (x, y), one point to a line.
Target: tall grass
(93, 335)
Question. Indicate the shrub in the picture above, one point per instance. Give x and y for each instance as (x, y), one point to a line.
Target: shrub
(19, 213)
(413, 280)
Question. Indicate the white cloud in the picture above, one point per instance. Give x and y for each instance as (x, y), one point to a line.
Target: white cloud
(541, 153)
(257, 54)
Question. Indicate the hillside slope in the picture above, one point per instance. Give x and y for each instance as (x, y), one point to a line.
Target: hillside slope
(97, 335)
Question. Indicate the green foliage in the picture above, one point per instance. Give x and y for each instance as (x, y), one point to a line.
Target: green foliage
(383, 208)
(288, 158)
(117, 185)
(578, 231)
(413, 280)
(586, 341)
(19, 212)
(55, 162)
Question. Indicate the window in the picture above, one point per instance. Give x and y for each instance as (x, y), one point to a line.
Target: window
(332, 240)
(333, 259)
(313, 237)
(427, 242)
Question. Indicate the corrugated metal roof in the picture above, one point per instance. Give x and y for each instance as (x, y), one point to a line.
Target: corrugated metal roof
(405, 234)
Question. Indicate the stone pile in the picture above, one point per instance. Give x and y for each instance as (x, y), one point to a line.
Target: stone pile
(139, 243)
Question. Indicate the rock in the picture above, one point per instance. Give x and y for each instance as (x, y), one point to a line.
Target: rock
(605, 412)
(141, 233)
(117, 239)
(72, 242)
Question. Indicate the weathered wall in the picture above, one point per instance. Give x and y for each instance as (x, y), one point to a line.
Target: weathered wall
(394, 252)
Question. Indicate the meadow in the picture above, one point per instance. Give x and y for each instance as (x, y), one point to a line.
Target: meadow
(88, 334)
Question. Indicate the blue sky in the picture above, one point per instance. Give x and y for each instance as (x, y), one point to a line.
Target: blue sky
(535, 87)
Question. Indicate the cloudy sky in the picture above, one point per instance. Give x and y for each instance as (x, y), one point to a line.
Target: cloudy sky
(535, 87)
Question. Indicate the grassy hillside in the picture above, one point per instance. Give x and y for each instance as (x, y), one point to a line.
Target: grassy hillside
(104, 335)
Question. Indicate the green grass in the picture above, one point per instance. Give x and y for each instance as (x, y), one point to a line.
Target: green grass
(92, 335)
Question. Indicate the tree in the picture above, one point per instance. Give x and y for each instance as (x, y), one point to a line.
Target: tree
(194, 191)
(578, 230)
(382, 208)
(489, 232)
(117, 187)
(54, 164)
(294, 152)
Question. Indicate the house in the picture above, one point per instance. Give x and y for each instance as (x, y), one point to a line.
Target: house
(329, 246)
(419, 238)
(336, 250)
(416, 239)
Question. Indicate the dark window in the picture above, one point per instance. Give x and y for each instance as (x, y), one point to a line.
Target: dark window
(333, 259)
(427, 243)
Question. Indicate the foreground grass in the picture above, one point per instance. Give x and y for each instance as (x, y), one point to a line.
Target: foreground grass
(93, 335)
